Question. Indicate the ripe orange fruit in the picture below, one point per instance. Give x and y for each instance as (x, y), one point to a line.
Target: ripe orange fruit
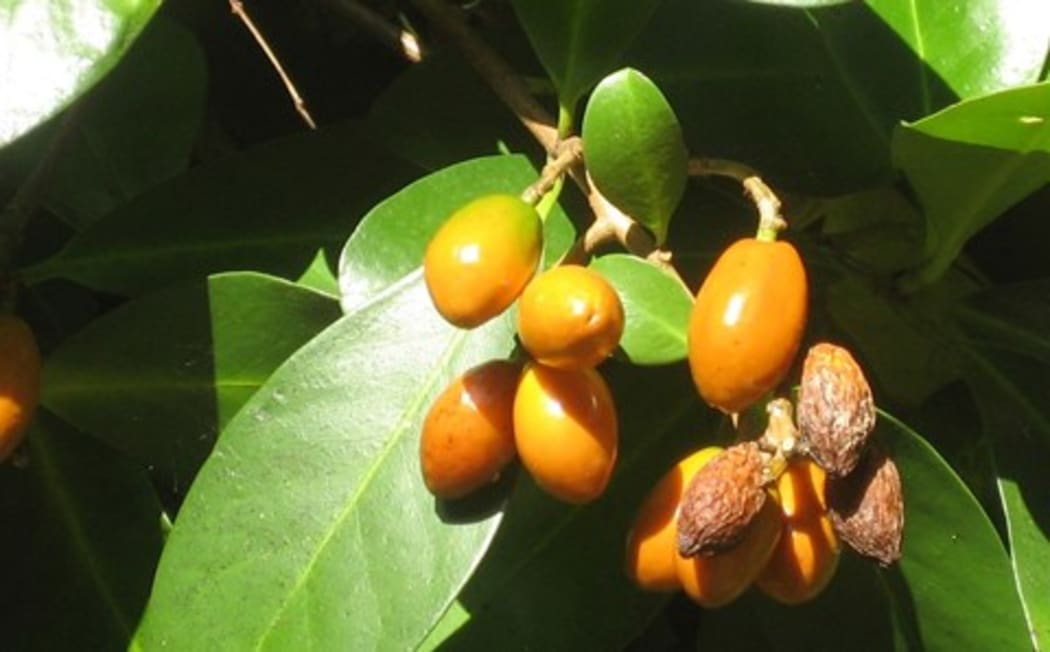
(480, 259)
(807, 554)
(570, 317)
(19, 381)
(566, 431)
(747, 322)
(468, 434)
(652, 541)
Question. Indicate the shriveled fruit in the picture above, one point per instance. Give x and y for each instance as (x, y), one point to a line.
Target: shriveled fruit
(720, 579)
(651, 543)
(19, 381)
(468, 434)
(721, 501)
(566, 431)
(481, 258)
(867, 507)
(805, 558)
(570, 317)
(747, 322)
(836, 413)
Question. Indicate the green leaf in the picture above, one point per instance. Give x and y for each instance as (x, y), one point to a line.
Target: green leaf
(655, 305)
(553, 578)
(811, 97)
(390, 242)
(268, 209)
(634, 149)
(950, 550)
(319, 276)
(135, 129)
(312, 502)
(971, 162)
(179, 363)
(54, 51)
(579, 42)
(81, 538)
(879, 229)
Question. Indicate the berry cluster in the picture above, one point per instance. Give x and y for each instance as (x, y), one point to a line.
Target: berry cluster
(553, 410)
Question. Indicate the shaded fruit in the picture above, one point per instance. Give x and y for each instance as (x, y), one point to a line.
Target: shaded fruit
(652, 541)
(719, 579)
(570, 317)
(19, 381)
(566, 431)
(867, 507)
(747, 322)
(807, 554)
(468, 434)
(721, 501)
(481, 258)
(836, 413)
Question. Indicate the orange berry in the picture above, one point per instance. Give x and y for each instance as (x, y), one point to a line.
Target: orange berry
(468, 434)
(806, 557)
(19, 381)
(566, 431)
(570, 317)
(479, 261)
(652, 541)
(747, 322)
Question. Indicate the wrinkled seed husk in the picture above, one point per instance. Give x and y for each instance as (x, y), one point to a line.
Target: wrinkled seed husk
(721, 501)
(867, 507)
(836, 412)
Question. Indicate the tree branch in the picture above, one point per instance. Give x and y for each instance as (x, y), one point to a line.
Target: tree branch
(400, 40)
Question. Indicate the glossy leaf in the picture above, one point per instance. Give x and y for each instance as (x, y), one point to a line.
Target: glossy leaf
(179, 363)
(81, 540)
(319, 276)
(312, 502)
(579, 42)
(389, 244)
(799, 96)
(554, 574)
(55, 51)
(268, 209)
(971, 162)
(656, 307)
(634, 149)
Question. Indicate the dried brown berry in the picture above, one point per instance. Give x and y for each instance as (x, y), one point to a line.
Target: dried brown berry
(867, 507)
(836, 413)
(721, 501)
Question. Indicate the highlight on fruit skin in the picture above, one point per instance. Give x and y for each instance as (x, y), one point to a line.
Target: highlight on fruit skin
(806, 557)
(650, 560)
(468, 433)
(747, 322)
(570, 317)
(482, 257)
(566, 431)
(19, 381)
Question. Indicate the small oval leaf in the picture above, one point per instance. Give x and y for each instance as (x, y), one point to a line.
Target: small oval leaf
(634, 149)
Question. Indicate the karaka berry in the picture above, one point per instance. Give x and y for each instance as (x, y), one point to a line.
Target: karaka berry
(566, 431)
(19, 381)
(481, 258)
(570, 317)
(747, 323)
(468, 434)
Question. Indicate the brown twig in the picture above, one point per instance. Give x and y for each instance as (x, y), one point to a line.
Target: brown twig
(237, 7)
(400, 40)
(761, 195)
(570, 154)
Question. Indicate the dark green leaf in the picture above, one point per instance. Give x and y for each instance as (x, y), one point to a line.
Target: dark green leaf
(56, 50)
(268, 209)
(389, 244)
(634, 149)
(312, 502)
(656, 307)
(879, 229)
(581, 41)
(971, 162)
(82, 535)
(179, 363)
